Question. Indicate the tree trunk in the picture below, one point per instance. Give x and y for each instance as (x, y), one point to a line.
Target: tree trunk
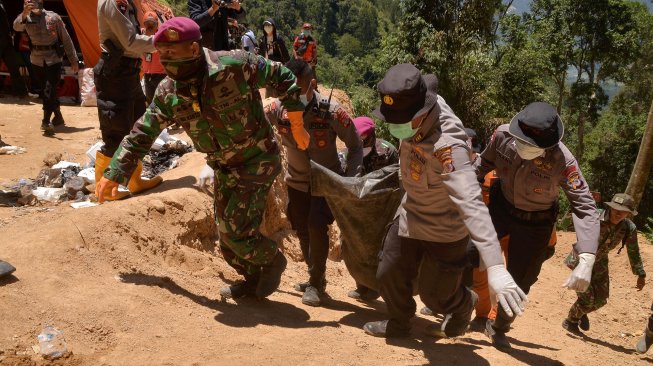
(642, 168)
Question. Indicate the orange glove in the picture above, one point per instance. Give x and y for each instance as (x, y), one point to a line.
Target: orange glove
(298, 131)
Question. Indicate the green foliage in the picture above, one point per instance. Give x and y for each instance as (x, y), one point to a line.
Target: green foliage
(648, 230)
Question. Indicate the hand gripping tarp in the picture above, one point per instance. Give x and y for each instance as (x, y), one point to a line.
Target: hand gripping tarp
(363, 208)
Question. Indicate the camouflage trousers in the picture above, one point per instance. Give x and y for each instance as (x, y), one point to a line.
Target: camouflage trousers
(240, 199)
(597, 293)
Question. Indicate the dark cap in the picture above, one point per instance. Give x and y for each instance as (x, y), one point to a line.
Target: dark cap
(405, 94)
(623, 202)
(538, 124)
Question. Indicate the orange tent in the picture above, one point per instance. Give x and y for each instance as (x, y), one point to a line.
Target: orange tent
(83, 15)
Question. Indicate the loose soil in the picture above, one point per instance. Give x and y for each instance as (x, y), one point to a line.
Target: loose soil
(136, 282)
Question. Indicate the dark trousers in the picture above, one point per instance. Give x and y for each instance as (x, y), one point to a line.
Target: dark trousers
(120, 101)
(440, 267)
(151, 82)
(311, 216)
(48, 77)
(527, 247)
(8, 55)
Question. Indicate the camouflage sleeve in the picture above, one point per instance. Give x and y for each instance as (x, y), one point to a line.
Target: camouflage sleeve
(273, 74)
(346, 132)
(64, 38)
(134, 146)
(633, 250)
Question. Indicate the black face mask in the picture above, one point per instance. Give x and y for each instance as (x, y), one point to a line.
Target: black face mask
(184, 69)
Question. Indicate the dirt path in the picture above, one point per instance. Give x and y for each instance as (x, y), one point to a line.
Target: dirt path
(136, 283)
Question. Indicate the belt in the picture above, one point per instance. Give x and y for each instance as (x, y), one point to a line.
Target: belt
(125, 61)
(532, 217)
(37, 47)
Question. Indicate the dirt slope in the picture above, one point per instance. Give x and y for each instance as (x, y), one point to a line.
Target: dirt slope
(136, 283)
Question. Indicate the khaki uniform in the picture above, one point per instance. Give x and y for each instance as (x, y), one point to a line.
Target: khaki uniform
(309, 215)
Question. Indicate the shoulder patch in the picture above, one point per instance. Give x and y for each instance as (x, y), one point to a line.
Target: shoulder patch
(573, 177)
(445, 158)
(343, 118)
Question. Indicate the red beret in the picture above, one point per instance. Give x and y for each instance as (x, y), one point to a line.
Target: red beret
(178, 30)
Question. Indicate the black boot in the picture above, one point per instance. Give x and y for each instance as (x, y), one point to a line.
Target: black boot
(240, 289)
(47, 128)
(584, 323)
(496, 329)
(58, 118)
(271, 276)
(363, 293)
(381, 329)
(571, 327)
(459, 322)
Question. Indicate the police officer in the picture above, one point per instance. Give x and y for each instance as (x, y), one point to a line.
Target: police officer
(213, 17)
(442, 208)
(7, 55)
(117, 80)
(49, 39)
(532, 163)
(309, 215)
(616, 228)
(214, 97)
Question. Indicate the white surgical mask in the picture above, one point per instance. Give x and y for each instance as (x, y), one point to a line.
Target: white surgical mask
(527, 151)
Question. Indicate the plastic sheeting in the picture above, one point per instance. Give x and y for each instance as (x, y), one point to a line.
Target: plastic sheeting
(363, 208)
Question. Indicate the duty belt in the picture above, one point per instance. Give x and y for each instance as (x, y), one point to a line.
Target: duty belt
(530, 217)
(126, 61)
(37, 47)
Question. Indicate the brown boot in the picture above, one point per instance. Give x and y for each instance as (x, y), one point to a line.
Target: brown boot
(137, 184)
(101, 163)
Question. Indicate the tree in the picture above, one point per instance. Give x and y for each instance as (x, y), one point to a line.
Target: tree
(642, 169)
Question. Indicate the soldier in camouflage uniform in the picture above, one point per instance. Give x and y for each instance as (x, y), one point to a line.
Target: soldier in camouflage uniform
(214, 97)
(309, 215)
(49, 39)
(615, 228)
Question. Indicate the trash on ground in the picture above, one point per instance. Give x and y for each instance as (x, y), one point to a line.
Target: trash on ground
(49, 194)
(52, 343)
(83, 204)
(66, 165)
(12, 150)
(158, 161)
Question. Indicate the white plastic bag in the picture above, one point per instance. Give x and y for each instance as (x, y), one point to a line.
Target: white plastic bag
(87, 88)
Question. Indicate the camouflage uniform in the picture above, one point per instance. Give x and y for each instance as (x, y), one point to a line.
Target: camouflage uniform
(597, 294)
(224, 118)
(382, 155)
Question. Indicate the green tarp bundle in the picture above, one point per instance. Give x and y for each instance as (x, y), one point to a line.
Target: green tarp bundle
(363, 208)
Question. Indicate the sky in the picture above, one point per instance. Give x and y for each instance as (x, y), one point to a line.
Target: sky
(523, 5)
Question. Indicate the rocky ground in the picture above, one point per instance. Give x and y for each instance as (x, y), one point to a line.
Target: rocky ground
(136, 282)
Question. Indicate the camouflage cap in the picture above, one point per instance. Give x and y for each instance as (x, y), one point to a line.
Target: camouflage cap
(623, 202)
(178, 30)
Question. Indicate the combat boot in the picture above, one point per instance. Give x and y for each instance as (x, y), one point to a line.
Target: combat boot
(645, 342)
(301, 287)
(498, 336)
(271, 276)
(381, 329)
(137, 184)
(58, 118)
(312, 296)
(584, 323)
(101, 163)
(571, 327)
(47, 128)
(240, 289)
(459, 322)
(363, 294)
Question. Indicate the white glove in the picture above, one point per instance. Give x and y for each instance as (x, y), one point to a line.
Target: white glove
(206, 179)
(579, 280)
(504, 289)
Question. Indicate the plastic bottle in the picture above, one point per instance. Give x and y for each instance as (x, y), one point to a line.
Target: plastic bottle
(52, 343)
